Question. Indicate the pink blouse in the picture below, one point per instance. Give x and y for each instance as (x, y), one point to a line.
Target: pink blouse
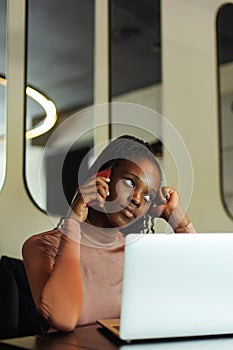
(75, 273)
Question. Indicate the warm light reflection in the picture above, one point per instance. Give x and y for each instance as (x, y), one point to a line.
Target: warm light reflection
(49, 107)
(50, 110)
(2, 81)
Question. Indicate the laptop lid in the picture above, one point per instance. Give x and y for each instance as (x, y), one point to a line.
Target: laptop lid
(177, 285)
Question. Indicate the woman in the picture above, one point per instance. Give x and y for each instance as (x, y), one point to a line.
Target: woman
(75, 272)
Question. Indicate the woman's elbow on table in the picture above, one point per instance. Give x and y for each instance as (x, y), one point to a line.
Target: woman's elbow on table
(59, 320)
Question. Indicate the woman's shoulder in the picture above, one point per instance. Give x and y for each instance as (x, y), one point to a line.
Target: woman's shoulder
(49, 239)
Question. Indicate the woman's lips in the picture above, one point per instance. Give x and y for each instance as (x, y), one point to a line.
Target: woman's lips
(128, 213)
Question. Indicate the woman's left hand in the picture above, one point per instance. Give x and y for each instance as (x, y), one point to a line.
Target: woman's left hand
(167, 205)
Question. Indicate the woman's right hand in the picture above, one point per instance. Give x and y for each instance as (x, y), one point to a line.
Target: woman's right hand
(93, 192)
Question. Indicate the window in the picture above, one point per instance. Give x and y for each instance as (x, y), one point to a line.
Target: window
(59, 83)
(135, 64)
(225, 74)
(3, 15)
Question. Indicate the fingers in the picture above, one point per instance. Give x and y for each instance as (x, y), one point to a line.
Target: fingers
(95, 191)
(165, 201)
(102, 186)
(168, 206)
(163, 195)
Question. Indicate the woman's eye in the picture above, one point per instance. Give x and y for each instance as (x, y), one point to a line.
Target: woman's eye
(129, 183)
(148, 198)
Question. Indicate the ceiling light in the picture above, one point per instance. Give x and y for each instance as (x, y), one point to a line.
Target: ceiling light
(49, 107)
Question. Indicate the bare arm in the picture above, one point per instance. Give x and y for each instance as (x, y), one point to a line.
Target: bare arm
(52, 262)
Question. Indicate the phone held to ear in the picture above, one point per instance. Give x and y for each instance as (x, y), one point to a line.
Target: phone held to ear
(103, 173)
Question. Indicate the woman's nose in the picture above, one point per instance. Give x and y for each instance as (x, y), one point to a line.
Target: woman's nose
(136, 198)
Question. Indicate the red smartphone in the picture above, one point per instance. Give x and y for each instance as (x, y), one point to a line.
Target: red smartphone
(103, 173)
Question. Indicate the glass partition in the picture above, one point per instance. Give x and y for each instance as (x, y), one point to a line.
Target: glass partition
(135, 73)
(225, 92)
(59, 83)
(135, 63)
(3, 16)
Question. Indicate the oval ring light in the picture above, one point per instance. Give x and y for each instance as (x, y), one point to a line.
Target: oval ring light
(49, 108)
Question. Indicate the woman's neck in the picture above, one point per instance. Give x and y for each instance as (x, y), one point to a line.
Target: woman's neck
(98, 218)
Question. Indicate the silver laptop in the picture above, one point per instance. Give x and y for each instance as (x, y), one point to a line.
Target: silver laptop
(176, 285)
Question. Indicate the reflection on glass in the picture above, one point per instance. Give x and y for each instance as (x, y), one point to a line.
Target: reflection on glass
(135, 59)
(225, 73)
(60, 67)
(3, 14)
(135, 70)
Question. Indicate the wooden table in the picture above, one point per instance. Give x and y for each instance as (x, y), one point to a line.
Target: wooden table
(95, 338)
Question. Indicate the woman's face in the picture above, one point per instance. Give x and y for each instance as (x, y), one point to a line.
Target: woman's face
(132, 188)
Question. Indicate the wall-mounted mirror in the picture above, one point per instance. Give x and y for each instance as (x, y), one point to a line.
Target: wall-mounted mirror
(224, 25)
